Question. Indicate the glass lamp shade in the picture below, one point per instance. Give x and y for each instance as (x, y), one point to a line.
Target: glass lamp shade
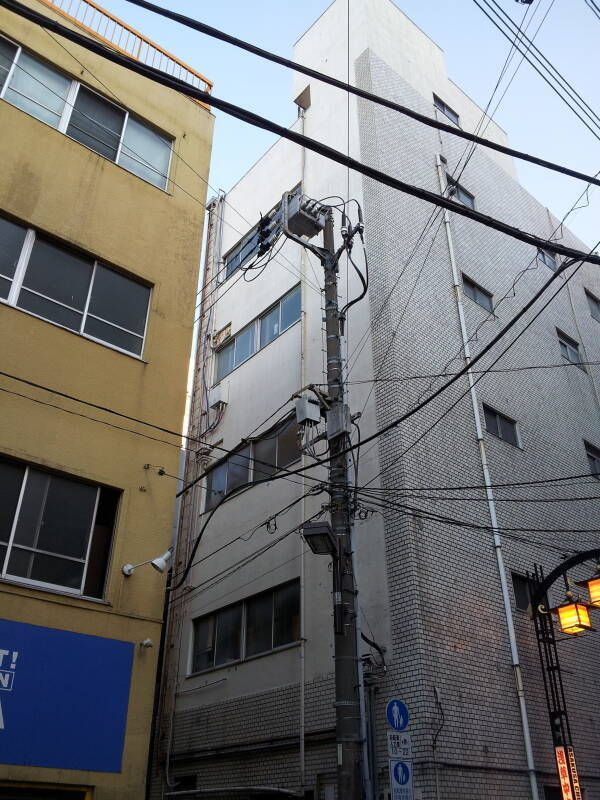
(593, 587)
(573, 618)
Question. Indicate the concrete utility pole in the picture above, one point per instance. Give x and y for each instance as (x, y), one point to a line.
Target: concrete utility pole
(306, 218)
(344, 591)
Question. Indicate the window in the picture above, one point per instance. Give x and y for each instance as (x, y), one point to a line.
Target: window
(522, 590)
(242, 252)
(553, 793)
(71, 290)
(569, 349)
(594, 304)
(501, 426)
(259, 333)
(55, 531)
(262, 458)
(460, 193)
(476, 293)
(82, 114)
(255, 626)
(593, 454)
(548, 258)
(441, 106)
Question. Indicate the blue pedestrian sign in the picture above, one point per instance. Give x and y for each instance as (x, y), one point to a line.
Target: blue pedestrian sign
(401, 780)
(397, 714)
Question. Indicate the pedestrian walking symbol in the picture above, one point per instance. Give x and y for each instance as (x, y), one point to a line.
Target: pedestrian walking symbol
(397, 715)
(401, 773)
(401, 780)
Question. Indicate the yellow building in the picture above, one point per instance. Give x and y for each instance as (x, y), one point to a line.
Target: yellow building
(102, 190)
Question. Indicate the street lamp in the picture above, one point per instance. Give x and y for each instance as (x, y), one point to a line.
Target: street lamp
(593, 588)
(319, 537)
(573, 617)
(159, 563)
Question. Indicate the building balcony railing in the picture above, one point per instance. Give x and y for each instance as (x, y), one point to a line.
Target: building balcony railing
(118, 34)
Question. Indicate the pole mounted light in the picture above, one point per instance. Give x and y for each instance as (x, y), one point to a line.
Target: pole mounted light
(592, 585)
(319, 537)
(573, 617)
(159, 563)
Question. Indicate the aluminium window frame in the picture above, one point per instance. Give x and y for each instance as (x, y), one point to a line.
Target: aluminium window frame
(467, 281)
(17, 285)
(593, 304)
(571, 345)
(257, 346)
(593, 454)
(518, 444)
(55, 587)
(548, 257)
(69, 107)
(442, 106)
(457, 188)
(243, 632)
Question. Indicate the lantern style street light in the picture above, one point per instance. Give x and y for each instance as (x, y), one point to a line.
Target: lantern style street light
(573, 617)
(593, 588)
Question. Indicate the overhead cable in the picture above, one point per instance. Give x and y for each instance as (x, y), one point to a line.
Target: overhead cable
(215, 33)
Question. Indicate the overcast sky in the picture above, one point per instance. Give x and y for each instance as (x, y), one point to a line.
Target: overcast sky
(536, 120)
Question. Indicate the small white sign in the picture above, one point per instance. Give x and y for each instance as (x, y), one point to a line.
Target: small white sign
(401, 780)
(399, 745)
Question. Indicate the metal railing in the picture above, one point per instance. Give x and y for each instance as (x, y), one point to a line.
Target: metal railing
(118, 34)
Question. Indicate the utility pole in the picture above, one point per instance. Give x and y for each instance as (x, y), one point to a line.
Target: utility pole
(344, 591)
(305, 218)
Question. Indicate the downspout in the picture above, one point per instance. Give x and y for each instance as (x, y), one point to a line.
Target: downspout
(516, 665)
(303, 351)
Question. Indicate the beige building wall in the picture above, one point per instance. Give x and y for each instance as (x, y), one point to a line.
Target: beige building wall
(65, 190)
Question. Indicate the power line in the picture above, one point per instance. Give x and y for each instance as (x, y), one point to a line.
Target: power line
(304, 141)
(347, 87)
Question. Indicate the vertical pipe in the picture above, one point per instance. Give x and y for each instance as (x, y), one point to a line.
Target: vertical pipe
(303, 351)
(490, 502)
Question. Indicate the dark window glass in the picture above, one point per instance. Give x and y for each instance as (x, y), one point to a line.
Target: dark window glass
(38, 89)
(522, 591)
(476, 293)
(58, 274)
(238, 467)
(244, 344)
(569, 349)
(115, 336)
(45, 568)
(553, 793)
(49, 310)
(229, 628)
(119, 300)
(265, 456)
(66, 521)
(288, 449)
(594, 304)
(290, 308)
(216, 481)
(548, 258)
(145, 153)
(501, 426)
(104, 524)
(11, 480)
(460, 193)
(4, 288)
(269, 326)
(225, 360)
(286, 614)
(96, 123)
(259, 624)
(241, 253)
(12, 237)
(7, 56)
(184, 783)
(203, 655)
(593, 455)
(32, 506)
(445, 109)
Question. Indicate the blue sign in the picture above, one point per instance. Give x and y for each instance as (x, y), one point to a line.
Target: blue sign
(63, 698)
(397, 714)
(401, 780)
(401, 772)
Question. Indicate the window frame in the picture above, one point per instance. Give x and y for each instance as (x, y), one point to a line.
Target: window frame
(255, 323)
(500, 416)
(593, 455)
(594, 304)
(548, 258)
(458, 188)
(243, 632)
(69, 107)
(526, 586)
(570, 345)
(6, 577)
(445, 108)
(21, 270)
(478, 290)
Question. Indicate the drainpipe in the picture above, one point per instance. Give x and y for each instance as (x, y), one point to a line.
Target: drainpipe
(303, 351)
(516, 665)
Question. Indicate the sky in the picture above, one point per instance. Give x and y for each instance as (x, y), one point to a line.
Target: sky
(536, 120)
